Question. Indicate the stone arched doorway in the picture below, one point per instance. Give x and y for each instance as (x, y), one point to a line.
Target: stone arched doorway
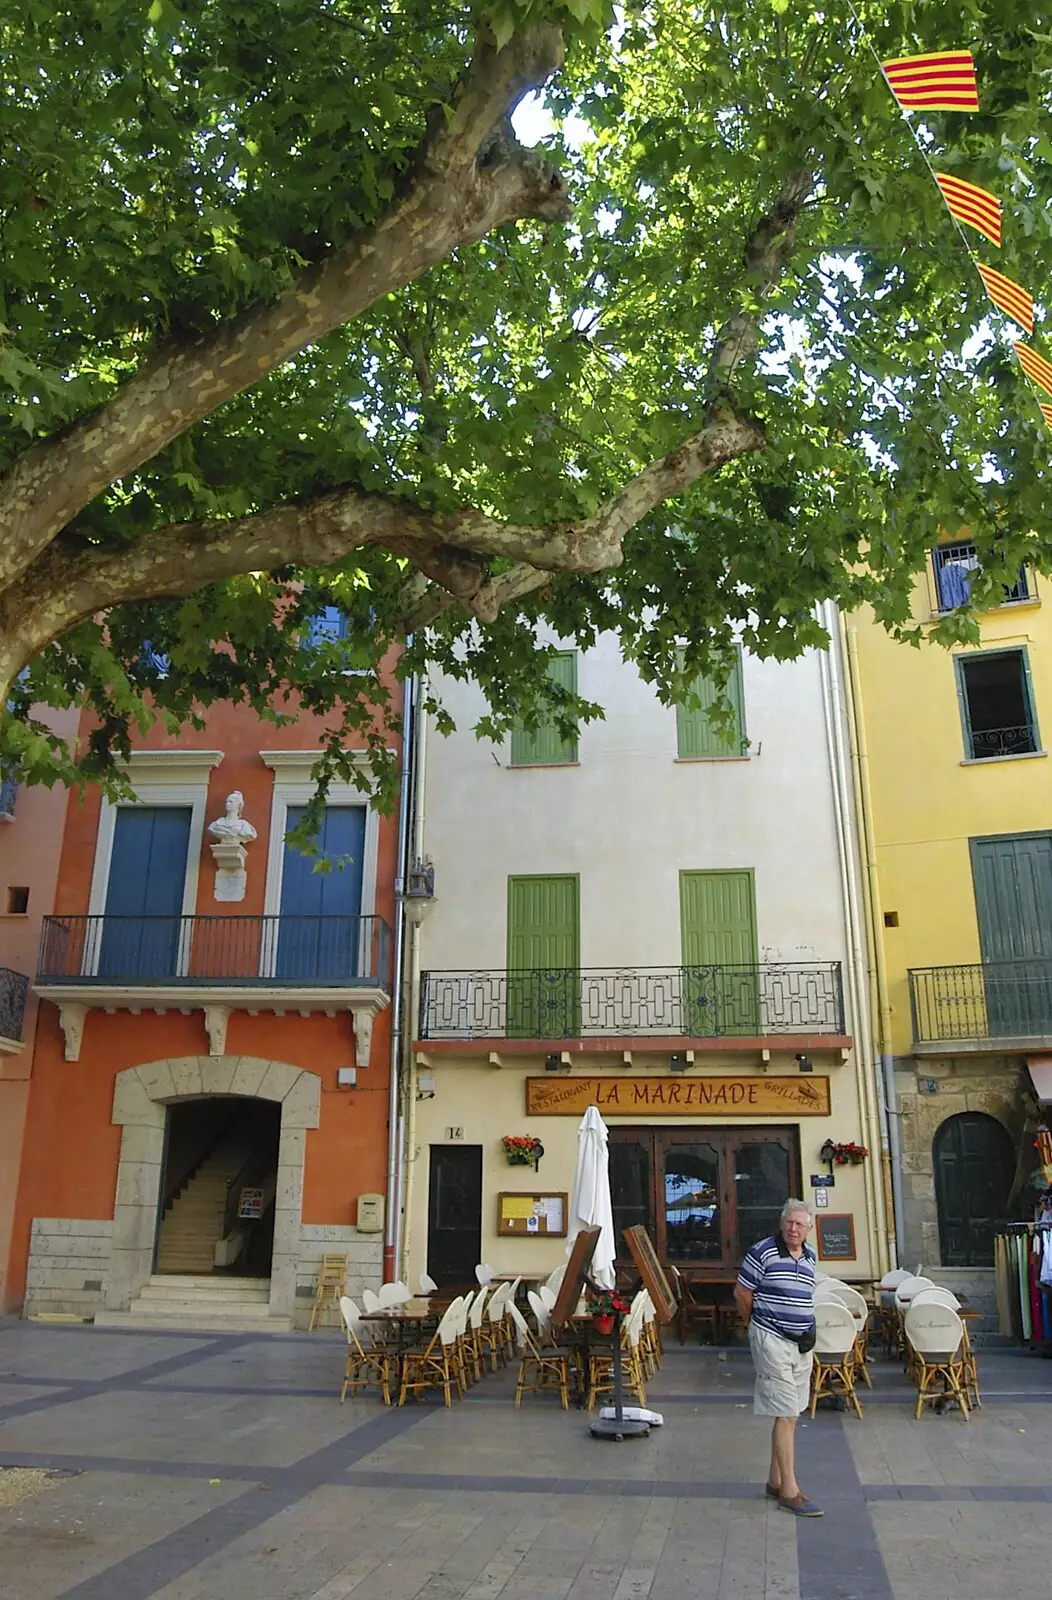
(974, 1163)
(140, 1098)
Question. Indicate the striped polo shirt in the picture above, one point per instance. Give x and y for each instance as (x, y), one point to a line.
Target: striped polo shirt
(783, 1289)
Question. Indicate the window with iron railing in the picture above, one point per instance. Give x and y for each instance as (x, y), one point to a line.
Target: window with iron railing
(997, 706)
(955, 568)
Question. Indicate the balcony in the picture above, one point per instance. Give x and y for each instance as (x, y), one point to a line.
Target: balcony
(14, 991)
(711, 1002)
(217, 965)
(988, 1005)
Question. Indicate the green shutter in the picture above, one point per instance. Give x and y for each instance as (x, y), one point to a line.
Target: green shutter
(547, 747)
(719, 953)
(695, 734)
(543, 958)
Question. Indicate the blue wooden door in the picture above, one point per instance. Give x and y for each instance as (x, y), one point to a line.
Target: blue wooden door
(144, 895)
(319, 928)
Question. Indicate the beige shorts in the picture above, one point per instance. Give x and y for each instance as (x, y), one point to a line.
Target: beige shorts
(783, 1375)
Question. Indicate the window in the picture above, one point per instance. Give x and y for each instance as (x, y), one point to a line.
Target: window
(696, 734)
(954, 565)
(996, 704)
(327, 626)
(156, 662)
(547, 747)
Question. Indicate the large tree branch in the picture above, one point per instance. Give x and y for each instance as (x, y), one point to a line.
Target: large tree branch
(463, 184)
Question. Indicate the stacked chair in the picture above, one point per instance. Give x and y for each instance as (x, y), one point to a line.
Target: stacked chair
(833, 1289)
(935, 1343)
(836, 1355)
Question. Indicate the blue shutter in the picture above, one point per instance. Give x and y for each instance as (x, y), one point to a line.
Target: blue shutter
(318, 934)
(144, 895)
(327, 626)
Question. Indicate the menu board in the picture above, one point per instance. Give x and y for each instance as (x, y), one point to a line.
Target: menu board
(572, 1286)
(836, 1237)
(524, 1216)
(641, 1249)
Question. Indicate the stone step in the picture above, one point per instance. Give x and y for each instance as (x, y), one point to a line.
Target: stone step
(194, 1306)
(203, 1321)
(214, 1293)
(208, 1280)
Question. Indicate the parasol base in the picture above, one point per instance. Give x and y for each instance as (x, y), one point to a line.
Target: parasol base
(611, 1428)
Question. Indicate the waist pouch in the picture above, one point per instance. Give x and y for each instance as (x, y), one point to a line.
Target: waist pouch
(806, 1341)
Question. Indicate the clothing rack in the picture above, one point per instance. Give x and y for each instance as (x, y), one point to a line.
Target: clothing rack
(1023, 1282)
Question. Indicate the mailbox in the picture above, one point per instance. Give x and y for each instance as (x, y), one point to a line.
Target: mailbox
(370, 1213)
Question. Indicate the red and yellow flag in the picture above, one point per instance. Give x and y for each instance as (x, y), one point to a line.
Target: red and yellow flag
(1009, 297)
(1046, 412)
(943, 82)
(968, 203)
(1036, 367)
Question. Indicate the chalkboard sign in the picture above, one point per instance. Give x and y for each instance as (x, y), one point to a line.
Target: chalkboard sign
(644, 1255)
(836, 1237)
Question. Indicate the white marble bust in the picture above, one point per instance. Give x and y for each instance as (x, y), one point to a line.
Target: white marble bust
(232, 827)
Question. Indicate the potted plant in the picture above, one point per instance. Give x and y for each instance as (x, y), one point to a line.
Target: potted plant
(603, 1307)
(842, 1155)
(522, 1150)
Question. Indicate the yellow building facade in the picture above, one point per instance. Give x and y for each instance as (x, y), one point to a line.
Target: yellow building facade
(954, 789)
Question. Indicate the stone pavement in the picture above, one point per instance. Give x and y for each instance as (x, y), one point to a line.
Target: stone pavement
(186, 1467)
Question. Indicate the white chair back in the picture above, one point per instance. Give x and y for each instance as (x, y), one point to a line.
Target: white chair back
(393, 1294)
(892, 1279)
(934, 1330)
(513, 1289)
(478, 1306)
(371, 1301)
(427, 1284)
(834, 1328)
(496, 1302)
(483, 1273)
(855, 1302)
(351, 1318)
(541, 1312)
(937, 1297)
(449, 1329)
(826, 1290)
(554, 1279)
(522, 1332)
(908, 1288)
(548, 1296)
(634, 1320)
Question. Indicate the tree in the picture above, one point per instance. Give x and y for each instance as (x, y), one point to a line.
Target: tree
(292, 319)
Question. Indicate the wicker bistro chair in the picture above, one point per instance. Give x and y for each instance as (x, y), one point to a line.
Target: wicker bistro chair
(542, 1367)
(393, 1294)
(856, 1304)
(601, 1363)
(650, 1336)
(436, 1366)
(946, 1297)
(493, 1329)
(935, 1336)
(427, 1284)
(366, 1363)
(833, 1370)
(474, 1347)
(692, 1311)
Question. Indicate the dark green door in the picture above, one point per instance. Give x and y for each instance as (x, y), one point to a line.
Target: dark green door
(720, 968)
(543, 961)
(1013, 900)
(974, 1168)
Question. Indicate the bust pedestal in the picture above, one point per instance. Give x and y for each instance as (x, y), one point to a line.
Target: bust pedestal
(231, 877)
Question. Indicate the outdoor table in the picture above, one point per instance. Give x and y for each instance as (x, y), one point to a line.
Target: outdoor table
(413, 1314)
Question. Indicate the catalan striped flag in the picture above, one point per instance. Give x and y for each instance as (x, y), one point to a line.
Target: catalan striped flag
(1009, 297)
(1036, 367)
(942, 82)
(968, 203)
(1046, 412)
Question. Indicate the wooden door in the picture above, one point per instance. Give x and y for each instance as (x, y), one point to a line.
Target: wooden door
(974, 1170)
(454, 1214)
(544, 983)
(719, 953)
(1013, 901)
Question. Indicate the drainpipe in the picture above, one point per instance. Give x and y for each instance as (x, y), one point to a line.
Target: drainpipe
(394, 1124)
(850, 875)
(411, 985)
(864, 803)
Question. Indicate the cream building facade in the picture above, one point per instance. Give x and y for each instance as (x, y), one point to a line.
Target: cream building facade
(664, 920)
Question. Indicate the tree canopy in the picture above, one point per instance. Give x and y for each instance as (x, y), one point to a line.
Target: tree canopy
(291, 318)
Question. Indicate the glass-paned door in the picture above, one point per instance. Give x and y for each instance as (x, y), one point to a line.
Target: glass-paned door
(703, 1194)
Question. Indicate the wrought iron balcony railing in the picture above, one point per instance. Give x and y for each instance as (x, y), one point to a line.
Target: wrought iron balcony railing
(679, 1002)
(196, 952)
(988, 1000)
(14, 988)
(989, 742)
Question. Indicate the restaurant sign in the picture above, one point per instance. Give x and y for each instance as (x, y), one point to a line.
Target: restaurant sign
(679, 1096)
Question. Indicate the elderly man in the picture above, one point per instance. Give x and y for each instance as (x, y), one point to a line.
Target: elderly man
(775, 1294)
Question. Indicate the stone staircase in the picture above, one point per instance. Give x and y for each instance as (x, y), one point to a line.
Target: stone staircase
(206, 1303)
(193, 1224)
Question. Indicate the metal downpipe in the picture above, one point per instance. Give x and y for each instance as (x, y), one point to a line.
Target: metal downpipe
(391, 1207)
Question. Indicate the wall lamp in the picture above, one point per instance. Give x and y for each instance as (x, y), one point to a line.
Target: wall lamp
(805, 1063)
(558, 1061)
(678, 1062)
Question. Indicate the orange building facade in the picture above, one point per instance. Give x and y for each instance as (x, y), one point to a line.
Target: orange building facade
(208, 1074)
